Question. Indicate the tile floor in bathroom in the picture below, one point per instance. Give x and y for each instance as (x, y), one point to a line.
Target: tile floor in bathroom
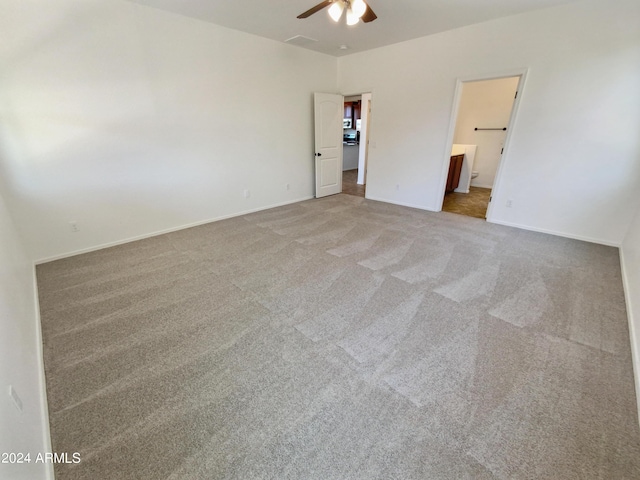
(472, 204)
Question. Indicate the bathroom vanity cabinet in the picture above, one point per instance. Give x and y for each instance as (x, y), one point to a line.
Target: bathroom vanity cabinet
(455, 167)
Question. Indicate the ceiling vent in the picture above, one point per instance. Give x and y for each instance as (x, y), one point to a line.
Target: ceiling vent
(300, 40)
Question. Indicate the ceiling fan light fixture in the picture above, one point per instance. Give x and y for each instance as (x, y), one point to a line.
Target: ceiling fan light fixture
(352, 18)
(335, 11)
(358, 7)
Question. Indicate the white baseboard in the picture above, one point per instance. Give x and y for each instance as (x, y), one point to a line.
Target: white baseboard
(44, 404)
(167, 230)
(402, 204)
(510, 224)
(633, 335)
(599, 241)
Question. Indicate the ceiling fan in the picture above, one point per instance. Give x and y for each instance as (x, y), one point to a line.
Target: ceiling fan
(356, 10)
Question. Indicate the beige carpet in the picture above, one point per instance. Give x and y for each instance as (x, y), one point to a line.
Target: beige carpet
(341, 338)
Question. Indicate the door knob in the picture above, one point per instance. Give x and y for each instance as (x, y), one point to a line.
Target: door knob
(318, 154)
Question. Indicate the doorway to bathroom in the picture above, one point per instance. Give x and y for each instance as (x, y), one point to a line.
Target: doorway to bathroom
(484, 111)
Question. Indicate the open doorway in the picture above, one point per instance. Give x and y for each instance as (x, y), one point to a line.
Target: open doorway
(357, 109)
(484, 113)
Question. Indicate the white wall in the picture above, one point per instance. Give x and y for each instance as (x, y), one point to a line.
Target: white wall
(130, 120)
(485, 104)
(630, 259)
(576, 133)
(25, 431)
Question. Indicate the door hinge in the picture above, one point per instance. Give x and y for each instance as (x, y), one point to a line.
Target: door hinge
(490, 198)
(501, 150)
(516, 94)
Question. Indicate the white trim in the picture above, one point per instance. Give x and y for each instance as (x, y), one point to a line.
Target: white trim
(363, 151)
(359, 93)
(512, 72)
(44, 403)
(504, 158)
(393, 202)
(509, 224)
(517, 72)
(168, 230)
(633, 339)
(457, 96)
(598, 241)
(367, 136)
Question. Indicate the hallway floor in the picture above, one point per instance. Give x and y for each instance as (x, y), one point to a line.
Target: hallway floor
(472, 204)
(350, 185)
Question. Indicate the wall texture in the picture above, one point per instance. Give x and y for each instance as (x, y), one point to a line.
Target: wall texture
(23, 431)
(571, 167)
(129, 120)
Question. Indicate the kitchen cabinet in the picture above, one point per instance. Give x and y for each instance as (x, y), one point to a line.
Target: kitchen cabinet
(352, 110)
(348, 110)
(356, 112)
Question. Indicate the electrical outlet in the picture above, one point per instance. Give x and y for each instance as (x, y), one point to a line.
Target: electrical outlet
(509, 203)
(16, 399)
(247, 193)
(73, 225)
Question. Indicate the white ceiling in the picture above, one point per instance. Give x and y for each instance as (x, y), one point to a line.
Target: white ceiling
(398, 20)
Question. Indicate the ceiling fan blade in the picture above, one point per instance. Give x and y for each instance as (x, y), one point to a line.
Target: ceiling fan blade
(368, 15)
(315, 9)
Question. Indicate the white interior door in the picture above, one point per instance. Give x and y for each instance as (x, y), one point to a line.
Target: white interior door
(328, 113)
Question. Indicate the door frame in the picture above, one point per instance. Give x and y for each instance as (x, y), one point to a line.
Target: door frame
(363, 154)
(460, 81)
(367, 134)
